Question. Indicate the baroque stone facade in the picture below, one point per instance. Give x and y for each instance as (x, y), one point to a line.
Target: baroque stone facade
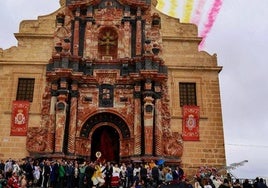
(107, 77)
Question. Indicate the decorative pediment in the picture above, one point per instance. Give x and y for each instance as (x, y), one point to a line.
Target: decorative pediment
(137, 3)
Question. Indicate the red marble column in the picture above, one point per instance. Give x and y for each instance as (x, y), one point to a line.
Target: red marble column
(52, 118)
(73, 118)
(158, 128)
(51, 127)
(60, 123)
(138, 34)
(88, 48)
(76, 33)
(137, 126)
(90, 44)
(148, 124)
(127, 39)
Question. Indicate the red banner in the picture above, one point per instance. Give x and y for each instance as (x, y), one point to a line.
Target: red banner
(19, 118)
(190, 123)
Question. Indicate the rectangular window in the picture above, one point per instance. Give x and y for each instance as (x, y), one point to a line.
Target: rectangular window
(187, 94)
(106, 95)
(25, 89)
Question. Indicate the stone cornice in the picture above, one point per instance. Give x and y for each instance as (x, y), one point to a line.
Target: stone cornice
(17, 62)
(33, 35)
(180, 117)
(174, 38)
(201, 68)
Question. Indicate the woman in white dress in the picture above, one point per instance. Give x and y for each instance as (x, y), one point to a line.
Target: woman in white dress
(36, 173)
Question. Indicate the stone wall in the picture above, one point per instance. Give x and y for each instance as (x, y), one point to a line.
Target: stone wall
(26, 60)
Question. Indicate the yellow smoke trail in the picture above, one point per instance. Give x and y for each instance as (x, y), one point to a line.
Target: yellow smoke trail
(172, 11)
(160, 5)
(188, 8)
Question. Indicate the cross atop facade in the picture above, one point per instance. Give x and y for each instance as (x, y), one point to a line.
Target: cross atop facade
(107, 40)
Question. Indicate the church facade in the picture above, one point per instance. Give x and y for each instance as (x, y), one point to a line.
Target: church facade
(111, 79)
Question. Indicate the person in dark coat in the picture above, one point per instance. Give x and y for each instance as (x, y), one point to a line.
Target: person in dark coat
(108, 173)
(2, 165)
(261, 184)
(155, 174)
(45, 173)
(178, 174)
(246, 184)
(175, 175)
(237, 184)
(256, 182)
(143, 174)
(89, 171)
(130, 175)
(29, 169)
(225, 184)
(54, 174)
(69, 174)
(82, 168)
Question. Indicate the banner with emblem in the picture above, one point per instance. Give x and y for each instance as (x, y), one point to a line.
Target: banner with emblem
(19, 118)
(190, 123)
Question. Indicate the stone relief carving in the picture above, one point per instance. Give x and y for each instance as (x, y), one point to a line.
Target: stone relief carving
(36, 139)
(45, 102)
(83, 147)
(153, 33)
(62, 33)
(165, 110)
(62, 3)
(107, 77)
(125, 149)
(173, 144)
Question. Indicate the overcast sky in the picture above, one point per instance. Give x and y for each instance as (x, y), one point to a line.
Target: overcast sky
(239, 38)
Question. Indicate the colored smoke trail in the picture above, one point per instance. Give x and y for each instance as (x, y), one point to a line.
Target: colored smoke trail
(202, 13)
(210, 20)
(160, 5)
(198, 12)
(188, 8)
(172, 10)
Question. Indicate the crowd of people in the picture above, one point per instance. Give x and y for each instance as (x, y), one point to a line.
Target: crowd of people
(45, 173)
(85, 174)
(227, 182)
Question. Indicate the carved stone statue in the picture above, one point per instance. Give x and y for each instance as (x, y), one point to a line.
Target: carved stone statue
(173, 145)
(36, 139)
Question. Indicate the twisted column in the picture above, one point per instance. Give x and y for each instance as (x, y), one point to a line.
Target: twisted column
(137, 121)
(73, 118)
(158, 128)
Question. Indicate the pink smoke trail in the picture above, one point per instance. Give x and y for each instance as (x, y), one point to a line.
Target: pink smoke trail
(210, 21)
(198, 12)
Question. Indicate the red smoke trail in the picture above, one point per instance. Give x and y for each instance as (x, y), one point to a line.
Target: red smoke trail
(210, 21)
(198, 12)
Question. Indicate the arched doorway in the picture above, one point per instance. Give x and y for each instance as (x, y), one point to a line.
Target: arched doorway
(106, 140)
(109, 124)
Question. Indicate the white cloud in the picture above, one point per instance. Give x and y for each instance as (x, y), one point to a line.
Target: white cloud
(239, 39)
